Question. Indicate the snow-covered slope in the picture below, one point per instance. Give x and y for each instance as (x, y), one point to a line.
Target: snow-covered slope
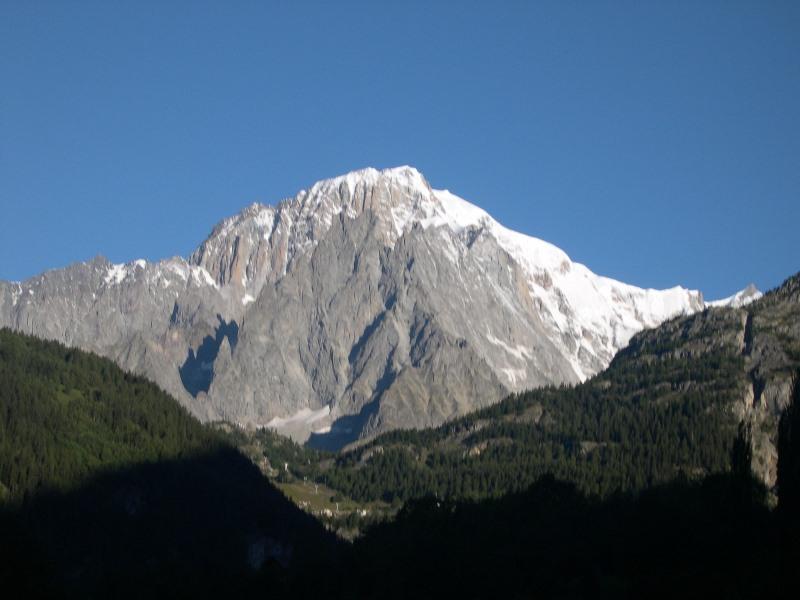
(739, 299)
(575, 300)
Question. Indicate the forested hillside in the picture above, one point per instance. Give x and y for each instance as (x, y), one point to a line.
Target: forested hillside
(65, 414)
(113, 490)
(711, 537)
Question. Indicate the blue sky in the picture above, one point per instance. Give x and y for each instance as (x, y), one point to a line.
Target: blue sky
(656, 142)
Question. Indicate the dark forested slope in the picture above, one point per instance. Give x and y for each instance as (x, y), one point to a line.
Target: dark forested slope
(112, 489)
(65, 414)
(710, 537)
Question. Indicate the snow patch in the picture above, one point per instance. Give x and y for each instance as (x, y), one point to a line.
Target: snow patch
(15, 294)
(203, 277)
(305, 416)
(405, 176)
(265, 217)
(519, 352)
(179, 268)
(115, 275)
(515, 374)
(739, 299)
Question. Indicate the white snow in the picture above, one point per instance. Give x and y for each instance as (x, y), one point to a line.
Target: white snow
(583, 295)
(519, 352)
(739, 299)
(15, 294)
(401, 215)
(454, 212)
(305, 416)
(265, 217)
(405, 175)
(115, 275)
(574, 299)
(203, 277)
(247, 299)
(180, 268)
(515, 374)
(449, 247)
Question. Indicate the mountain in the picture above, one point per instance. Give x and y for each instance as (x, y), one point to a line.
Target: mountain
(368, 302)
(739, 299)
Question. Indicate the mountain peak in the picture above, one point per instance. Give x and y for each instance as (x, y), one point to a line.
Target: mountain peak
(261, 243)
(739, 299)
(427, 284)
(329, 193)
(403, 176)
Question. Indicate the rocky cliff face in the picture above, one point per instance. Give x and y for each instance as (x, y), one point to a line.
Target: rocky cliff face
(368, 302)
(765, 336)
(771, 347)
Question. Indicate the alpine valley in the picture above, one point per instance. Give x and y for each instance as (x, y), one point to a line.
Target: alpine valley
(368, 303)
(507, 424)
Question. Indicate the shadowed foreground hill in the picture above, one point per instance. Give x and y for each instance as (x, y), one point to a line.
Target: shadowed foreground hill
(67, 413)
(112, 489)
(710, 538)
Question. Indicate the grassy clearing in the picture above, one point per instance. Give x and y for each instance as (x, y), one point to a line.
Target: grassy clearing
(342, 515)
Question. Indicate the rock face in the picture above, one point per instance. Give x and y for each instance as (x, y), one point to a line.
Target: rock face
(369, 302)
(772, 359)
(764, 336)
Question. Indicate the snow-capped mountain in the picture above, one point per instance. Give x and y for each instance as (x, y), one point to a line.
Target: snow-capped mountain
(369, 301)
(739, 299)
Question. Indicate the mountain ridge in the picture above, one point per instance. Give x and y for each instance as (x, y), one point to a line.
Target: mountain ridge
(187, 322)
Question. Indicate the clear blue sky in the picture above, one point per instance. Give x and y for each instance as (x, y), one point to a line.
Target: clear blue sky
(656, 142)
